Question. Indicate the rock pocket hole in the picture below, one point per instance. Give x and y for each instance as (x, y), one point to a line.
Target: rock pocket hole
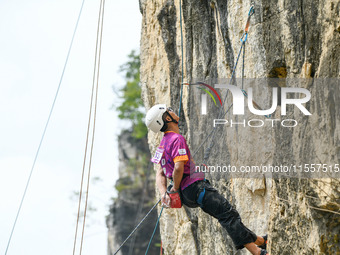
(278, 75)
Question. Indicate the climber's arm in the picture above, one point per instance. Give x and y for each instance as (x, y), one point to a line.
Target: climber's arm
(177, 175)
(161, 184)
(161, 181)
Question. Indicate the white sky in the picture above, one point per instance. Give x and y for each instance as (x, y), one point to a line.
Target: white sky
(35, 36)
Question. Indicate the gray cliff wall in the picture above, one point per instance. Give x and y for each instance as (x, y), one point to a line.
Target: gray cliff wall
(287, 39)
(135, 197)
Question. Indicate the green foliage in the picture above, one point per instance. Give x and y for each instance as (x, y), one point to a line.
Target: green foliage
(138, 168)
(138, 165)
(131, 68)
(120, 187)
(132, 107)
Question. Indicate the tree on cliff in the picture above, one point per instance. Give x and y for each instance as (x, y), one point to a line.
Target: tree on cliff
(131, 107)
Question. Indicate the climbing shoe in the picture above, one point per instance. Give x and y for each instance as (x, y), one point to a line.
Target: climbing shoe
(264, 245)
(264, 252)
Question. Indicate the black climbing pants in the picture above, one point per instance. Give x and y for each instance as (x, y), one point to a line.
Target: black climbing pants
(217, 206)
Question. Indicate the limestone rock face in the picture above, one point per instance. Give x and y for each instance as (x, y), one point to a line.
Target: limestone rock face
(287, 39)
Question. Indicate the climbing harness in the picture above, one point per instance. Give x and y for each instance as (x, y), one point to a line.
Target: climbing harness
(200, 198)
(202, 193)
(45, 128)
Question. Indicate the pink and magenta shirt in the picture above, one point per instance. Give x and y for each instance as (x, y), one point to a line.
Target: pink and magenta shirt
(173, 148)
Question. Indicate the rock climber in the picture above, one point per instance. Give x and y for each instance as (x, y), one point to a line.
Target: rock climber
(176, 163)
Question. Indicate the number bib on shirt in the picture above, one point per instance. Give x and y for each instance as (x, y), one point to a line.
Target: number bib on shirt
(158, 155)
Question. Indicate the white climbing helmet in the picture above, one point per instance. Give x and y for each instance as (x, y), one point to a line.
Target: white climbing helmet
(153, 118)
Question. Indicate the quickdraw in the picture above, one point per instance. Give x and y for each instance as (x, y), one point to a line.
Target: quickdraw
(245, 34)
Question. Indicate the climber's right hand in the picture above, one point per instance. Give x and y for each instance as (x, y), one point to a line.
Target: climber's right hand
(166, 200)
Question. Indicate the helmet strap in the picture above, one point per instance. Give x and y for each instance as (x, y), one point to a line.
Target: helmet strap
(165, 126)
(172, 119)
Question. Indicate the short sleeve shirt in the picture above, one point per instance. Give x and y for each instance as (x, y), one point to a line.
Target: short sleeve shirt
(173, 148)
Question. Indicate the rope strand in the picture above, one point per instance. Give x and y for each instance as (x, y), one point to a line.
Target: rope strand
(94, 95)
(221, 112)
(87, 140)
(94, 126)
(140, 206)
(180, 21)
(134, 230)
(46, 126)
(154, 231)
